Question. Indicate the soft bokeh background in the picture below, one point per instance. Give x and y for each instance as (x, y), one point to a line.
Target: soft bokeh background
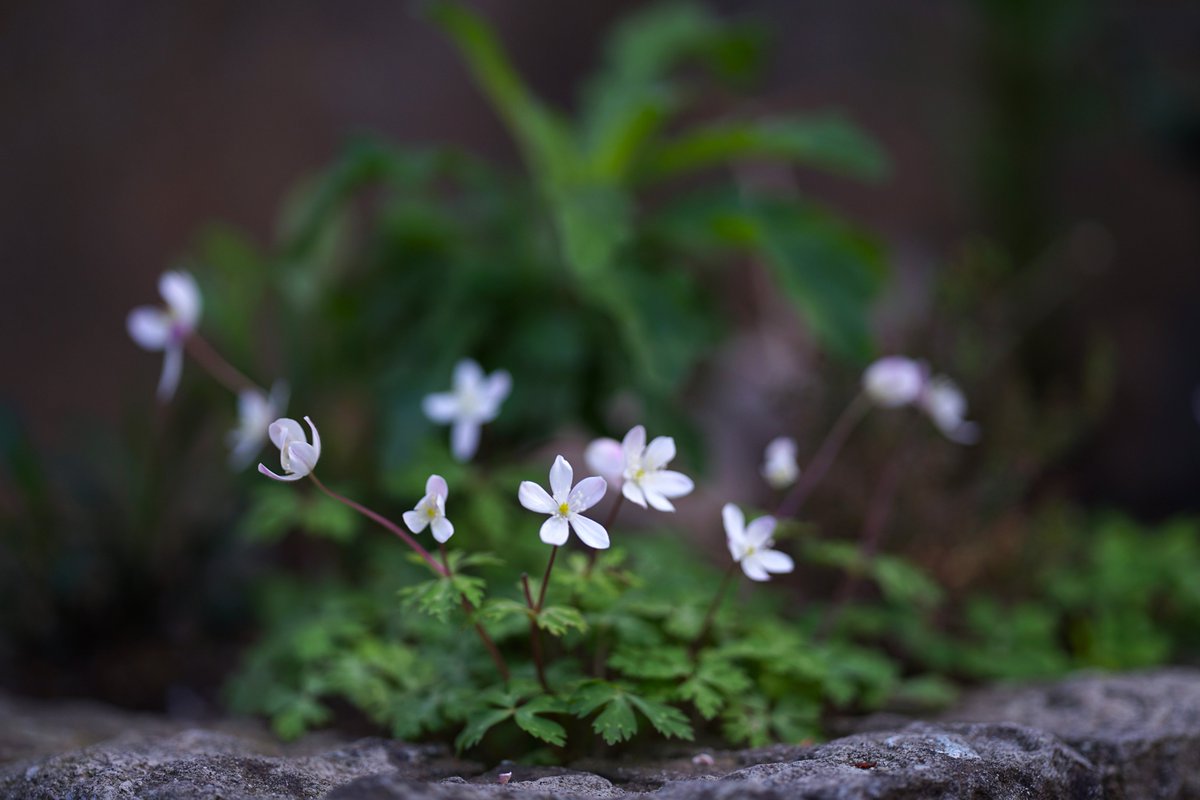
(1065, 135)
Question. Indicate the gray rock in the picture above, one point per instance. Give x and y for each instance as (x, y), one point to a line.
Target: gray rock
(1142, 730)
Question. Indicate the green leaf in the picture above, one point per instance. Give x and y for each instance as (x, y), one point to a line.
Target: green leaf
(666, 719)
(438, 597)
(655, 663)
(557, 620)
(529, 720)
(616, 722)
(829, 143)
(714, 682)
(478, 725)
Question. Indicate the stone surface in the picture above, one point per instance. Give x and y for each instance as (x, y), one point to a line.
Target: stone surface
(1104, 737)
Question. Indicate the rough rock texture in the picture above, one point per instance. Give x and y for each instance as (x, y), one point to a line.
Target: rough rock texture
(1104, 737)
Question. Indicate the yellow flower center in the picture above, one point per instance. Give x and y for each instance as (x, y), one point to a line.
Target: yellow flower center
(564, 509)
(431, 511)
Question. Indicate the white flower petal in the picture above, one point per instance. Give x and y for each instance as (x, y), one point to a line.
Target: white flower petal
(172, 369)
(634, 443)
(774, 561)
(302, 458)
(554, 530)
(587, 493)
(262, 468)
(468, 376)
(464, 439)
(496, 389)
(633, 493)
(561, 476)
(656, 499)
(753, 569)
(436, 487)
(535, 498)
(442, 529)
(759, 532)
(589, 531)
(415, 520)
(284, 430)
(605, 457)
(659, 453)
(178, 288)
(440, 407)
(149, 327)
(668, 483)
(316, 440)
(737, 547)
(735, 521)
(894, 381)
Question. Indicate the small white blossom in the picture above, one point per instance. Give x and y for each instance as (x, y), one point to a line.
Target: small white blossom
(945, 404)
(605, 456)
(256, 410)
(564, 505)
(779, 462)
(166, 329)
(750, 545)
(643, 468)
(431, 510)
(894, 381)
(474, 400)
(297, 457)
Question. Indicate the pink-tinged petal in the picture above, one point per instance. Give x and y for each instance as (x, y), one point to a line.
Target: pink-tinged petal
(284, 430)
(149, 327)
(759, 532)
(561, 477)
(464, 439)
(316, 438)
(436, 487)
(775, 561)
(172, 369)
(634, 443)
(415, 520)
(441, 407)
(656, 499)
(753, 569)
(587, 493)
(554, 531)
(659, 453)
(605, 457)
(633, 493)
(262, 468)
(535, 498)
(668, 483)
(589, 531)
(442, 529)
(735, 522)
(178, 288)
(302, 457)
(468, 376)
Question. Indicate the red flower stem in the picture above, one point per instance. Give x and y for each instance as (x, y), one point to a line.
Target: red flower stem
(826, 455)
(215, 365)
(385, 522)
(712, 608)
(535, 635)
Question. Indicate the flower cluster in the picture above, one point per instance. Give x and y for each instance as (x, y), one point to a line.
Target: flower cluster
(896, 381)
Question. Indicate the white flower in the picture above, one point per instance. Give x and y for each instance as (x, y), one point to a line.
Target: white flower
(894, 381)
(168, 328)
(750, 544)
(474, 400)
(642, 468)
(779, 462)
(431, 510)
(297, 457)
(565, 504)
(606, 457)
(945, 404)
(256, 410)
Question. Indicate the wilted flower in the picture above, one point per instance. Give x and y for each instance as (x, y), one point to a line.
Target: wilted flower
(168, 328)
(474, 400)
(750, 544)
(641, 467)
(256, 410)
(431, 510)
(565, 504)
(297, 457)
(945, 404)
(894, 381)
(779, 462)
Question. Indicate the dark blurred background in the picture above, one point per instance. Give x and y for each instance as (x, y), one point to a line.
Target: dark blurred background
(1060, 133)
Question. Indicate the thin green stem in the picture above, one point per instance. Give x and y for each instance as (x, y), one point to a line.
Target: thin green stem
(827, 453)
(712, 608)
(535, 634)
